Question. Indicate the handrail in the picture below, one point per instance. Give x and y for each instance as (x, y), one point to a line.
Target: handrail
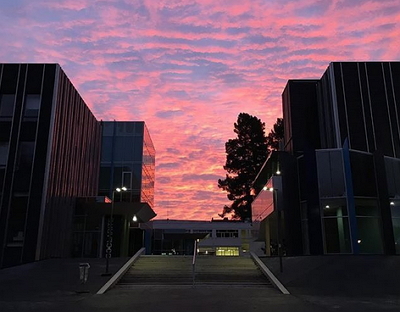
(194, 261)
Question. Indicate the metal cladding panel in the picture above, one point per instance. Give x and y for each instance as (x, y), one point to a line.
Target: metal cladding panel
(27, 148)
(366, 104)
(73, 168)
(300, 108)
(53, 143)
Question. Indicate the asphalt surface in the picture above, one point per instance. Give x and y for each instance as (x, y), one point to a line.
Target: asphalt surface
(344, 282)
(316, 284)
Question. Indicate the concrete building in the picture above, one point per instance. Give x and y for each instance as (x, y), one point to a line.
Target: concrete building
(339, 187)
(221, 237)
(49, 155)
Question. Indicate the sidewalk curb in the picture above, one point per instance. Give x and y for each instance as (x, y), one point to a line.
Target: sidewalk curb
(269, 274)
(117, 276)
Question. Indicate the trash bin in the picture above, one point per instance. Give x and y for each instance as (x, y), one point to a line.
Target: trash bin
(83, 272)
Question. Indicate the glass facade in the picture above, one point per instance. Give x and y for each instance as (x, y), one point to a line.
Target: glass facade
(369, 227)
(395, 212)
(330, 173)
(127, 159)
(336, 225)
(339, 202)
(393, 181)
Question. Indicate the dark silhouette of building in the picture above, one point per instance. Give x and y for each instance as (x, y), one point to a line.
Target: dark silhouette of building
(340, 168)
(49, 155)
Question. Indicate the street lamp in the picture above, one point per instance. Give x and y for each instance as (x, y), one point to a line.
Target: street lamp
(110, 229)
(278, 234)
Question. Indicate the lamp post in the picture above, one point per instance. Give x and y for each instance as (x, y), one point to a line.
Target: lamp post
(278, 232)
(109, 241)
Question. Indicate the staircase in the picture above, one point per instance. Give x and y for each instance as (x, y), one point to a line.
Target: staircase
(159, 270)
(233, 271)
(210, 271)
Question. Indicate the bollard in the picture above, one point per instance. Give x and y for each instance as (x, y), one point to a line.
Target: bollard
(84, 272)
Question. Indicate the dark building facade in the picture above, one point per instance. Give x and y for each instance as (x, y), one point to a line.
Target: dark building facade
(342, 143)
(128, 160)
(49, 155)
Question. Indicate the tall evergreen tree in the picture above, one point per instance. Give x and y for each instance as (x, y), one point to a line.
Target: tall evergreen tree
(244, 157)
(276, 135)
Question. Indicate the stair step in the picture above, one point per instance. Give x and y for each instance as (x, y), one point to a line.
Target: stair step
(209, 271)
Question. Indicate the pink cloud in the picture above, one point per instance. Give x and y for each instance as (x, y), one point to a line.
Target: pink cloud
(189, 68)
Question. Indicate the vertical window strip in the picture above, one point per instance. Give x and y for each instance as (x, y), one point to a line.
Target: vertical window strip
(345, 105)
(363, 109)
(388, 111)
(370, 106)
(395, 103)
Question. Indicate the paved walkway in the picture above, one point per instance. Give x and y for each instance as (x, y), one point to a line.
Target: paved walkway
(52, 285)
(342, 282)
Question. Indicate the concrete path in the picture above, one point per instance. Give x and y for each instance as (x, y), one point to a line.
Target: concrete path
(52, 285)
(342, 282)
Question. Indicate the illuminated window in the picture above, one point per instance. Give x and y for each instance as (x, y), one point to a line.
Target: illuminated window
(227, 251)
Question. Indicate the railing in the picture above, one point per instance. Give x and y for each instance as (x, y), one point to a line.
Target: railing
(194, 261)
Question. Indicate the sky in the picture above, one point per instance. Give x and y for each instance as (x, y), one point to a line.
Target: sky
(188, 68)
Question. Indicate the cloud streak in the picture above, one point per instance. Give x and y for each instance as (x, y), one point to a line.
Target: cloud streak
(188, 68)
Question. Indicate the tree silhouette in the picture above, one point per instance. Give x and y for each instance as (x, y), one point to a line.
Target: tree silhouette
(276, 135)
(244, 157)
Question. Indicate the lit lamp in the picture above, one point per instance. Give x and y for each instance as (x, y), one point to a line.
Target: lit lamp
(110, 229)
(278, 234)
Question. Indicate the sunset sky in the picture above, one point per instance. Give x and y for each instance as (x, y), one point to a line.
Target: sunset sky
(188, 68)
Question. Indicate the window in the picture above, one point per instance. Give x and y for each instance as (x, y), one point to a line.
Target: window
(32, 105)
(227, 233)
(7, 102)
(336, 225)
(25, 155)
(3, 154)
(127, 179)
(209, 232)
(395, 210)
(227, 251)
(304, 228)
(369, 230)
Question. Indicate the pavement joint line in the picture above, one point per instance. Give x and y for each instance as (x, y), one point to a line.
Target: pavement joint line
(269, 274)
(117, 276)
